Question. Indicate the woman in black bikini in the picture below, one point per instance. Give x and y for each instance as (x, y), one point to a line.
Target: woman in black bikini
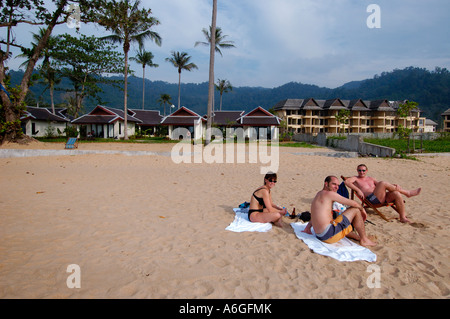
(262, 209)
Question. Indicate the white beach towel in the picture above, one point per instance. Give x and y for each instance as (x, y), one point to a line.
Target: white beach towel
(241, 223)
(343, 250)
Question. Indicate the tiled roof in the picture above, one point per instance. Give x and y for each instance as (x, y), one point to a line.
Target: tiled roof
(105, 115)
(289, 104)
(148, 117)
(337, 104)
(259, 117)
(95, 119)
(379, 105)
(42, 114)
(227, 117)
(182, 117)
(181, 120)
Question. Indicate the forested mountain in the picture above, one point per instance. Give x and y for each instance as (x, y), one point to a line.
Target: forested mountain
(431, 89)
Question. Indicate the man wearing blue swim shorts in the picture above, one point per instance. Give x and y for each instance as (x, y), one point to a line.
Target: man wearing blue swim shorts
(331, 230)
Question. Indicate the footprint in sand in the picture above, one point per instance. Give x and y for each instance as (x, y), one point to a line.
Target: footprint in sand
(418, 225)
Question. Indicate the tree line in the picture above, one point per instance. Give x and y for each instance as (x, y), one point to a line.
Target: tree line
(431, 89)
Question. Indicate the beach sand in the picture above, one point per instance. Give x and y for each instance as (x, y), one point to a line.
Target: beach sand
(145, 227)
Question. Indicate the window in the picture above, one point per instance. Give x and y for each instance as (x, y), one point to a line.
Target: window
(33, 129)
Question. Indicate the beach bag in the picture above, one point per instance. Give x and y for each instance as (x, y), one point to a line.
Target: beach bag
(244, 205)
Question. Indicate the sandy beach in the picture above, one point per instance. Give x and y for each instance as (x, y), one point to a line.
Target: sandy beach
(142, 226)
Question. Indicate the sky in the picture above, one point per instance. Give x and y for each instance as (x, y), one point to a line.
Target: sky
(321, 42)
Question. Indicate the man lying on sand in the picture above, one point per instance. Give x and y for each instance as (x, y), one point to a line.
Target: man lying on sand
(378, 192)
(330, 230)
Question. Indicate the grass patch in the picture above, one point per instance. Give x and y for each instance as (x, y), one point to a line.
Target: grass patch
(439, 145)
(297, 144)
(337, 138)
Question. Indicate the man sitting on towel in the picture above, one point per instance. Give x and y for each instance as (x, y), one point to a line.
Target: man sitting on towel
(331, 230)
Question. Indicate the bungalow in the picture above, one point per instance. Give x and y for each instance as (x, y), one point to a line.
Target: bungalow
(430, 126)
(150, 120)
(185, 118)
(257, 119)
(39, 122)
(106, 122)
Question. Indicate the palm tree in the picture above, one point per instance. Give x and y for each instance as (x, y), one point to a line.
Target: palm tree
(212, 48)
(181, 62)
(220, 40)
(164, 99)
(144, 58)
(49, 74)
(128, 24)
(223, 86)
(51, 77)
(219, 43)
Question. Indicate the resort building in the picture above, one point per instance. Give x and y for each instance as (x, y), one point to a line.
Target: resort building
(150, 120)
(106, 122)
(184, 118)
(446, 120)
(319, 116)
(40, 122)
(259, 121)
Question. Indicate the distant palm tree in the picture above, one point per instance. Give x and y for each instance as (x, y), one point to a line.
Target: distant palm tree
(51, 78)
(220, 40)
(181, 61)
(164, 99)
(223, 86)
(144, 58)
(128, 24)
